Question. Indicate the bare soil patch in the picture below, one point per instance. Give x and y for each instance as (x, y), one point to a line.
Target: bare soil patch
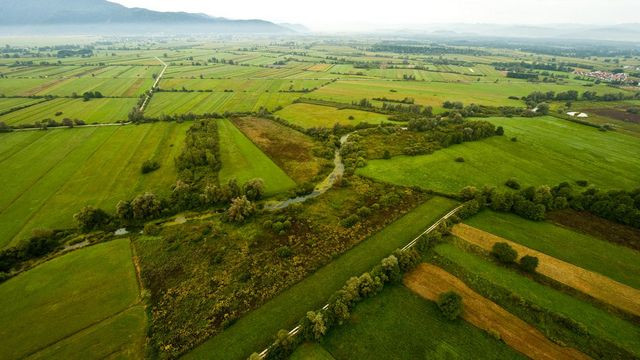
(289, 149)
(429, 281)
(587, 223)
(598, 286)
(618, 114)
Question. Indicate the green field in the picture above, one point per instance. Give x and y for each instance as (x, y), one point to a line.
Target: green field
(548, 151)
(218, 102)
(597, 321)
(242, 160)
(63, 170)
(241, 85)
(7, 104)
(55, 307)
(435, 93)
(398, 324)
(309, 115)
(255, 330)
(125, 87)
(93, 111)
(617, 262)
(311, 351)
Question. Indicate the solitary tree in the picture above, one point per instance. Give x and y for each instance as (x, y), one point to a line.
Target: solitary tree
(450, 304)
(90, 218)
(529, 263)
(504, 252)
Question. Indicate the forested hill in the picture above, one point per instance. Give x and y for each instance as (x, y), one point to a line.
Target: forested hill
(80, 13)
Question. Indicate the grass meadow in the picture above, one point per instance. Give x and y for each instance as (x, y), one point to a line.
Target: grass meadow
(54, 303)
(106, 110)
(547, 151)
(255, 330)
(414, 328)
(617, 262)
(7, 104)
(199, 103)
(63, 170)
(310, 115)
(596, 320)
(243, 160)
(435, 93)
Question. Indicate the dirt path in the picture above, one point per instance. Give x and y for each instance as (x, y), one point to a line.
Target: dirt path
(429, 281)
(598, 286)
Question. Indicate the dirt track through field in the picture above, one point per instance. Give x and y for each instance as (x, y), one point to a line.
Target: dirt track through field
(598, 286)
(429, 281)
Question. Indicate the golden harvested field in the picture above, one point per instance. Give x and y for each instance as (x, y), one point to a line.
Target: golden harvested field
(598, 286)
(429, 281)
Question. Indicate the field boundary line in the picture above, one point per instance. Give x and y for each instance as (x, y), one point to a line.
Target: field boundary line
(413, 242)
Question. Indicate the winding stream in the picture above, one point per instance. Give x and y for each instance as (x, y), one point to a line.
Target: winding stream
(321, 188)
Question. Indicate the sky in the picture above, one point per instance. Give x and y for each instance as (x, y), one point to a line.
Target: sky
(353, 15)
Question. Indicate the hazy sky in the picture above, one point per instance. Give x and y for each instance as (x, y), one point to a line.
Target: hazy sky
(332, 15)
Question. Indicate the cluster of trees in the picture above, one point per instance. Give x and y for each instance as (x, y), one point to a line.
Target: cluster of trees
(537, 97)
(533, 202)
(530, 203)
(617, 205)
(520, 66)
(41, 243)
(315, 324)
(406, 100)
(396, 47)
(506, 254)
(408, 109)
(200, 158)
(88, 95)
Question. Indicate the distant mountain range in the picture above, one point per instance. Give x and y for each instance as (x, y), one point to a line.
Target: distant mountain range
(100, 16)
(619, 32)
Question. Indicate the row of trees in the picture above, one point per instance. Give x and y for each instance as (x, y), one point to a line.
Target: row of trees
(533, 202)
(537, 97)
(315, 324)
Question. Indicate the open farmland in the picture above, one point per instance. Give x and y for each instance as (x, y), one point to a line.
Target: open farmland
(89, 290)
(310, 115)
(64, 170)
(289, 149)
(130, 227)
(243, 161)
(614, 261)
(596, 320)
(409, 322)
(216, 102)
(95, 111)
(547, 151)
(435, 93)
(429, 281)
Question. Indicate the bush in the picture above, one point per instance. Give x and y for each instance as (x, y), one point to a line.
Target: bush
(91, 218)
(514, 139)
(149, 166)
(350, 221)
(460, 159)
(152, 229)
(529, 263)
(450, 304)
(241, 209)
(499, 131)
(504, 252)
(364, 212)
(145, 206)
(284, 252)
(582, 183)
(513, 183)
(253, 189)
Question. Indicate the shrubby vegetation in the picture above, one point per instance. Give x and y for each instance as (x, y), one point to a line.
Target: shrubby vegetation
(316, 324)
(450, 304)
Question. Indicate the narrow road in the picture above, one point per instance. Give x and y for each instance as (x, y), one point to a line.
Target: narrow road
(155, 84)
